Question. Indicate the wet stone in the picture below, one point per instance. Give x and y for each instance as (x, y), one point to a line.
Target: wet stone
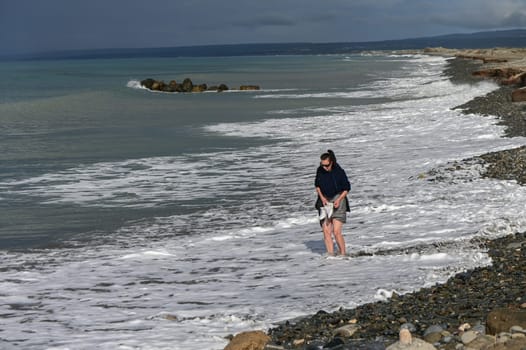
(468, 337)
(433, 337)
(433, 329)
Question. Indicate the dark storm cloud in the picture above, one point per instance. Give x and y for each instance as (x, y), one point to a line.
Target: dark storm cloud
(38, 25)
(515, 20)
(267, 20)
(481, 14)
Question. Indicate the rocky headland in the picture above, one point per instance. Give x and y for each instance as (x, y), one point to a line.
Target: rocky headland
(506, 65)
(483, 308)
(188, 86)
(508, 164)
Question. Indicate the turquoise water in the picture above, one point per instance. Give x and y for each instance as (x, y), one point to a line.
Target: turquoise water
(56, 115)
(140, 220)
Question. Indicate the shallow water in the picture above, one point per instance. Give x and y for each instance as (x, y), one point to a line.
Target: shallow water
(134, 219)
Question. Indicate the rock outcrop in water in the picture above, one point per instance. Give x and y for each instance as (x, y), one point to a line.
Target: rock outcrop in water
(188, 86)
(248, 87)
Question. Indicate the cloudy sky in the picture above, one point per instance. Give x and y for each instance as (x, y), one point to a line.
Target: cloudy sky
(49, 25)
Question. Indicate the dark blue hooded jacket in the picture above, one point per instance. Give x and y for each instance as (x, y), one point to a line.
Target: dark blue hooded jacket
(331, 182)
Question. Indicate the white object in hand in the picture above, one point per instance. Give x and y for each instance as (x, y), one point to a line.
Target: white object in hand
(326, 211)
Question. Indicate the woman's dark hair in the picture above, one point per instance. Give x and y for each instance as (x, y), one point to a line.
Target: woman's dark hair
(329, 155)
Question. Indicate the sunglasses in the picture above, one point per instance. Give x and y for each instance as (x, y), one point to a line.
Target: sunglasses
(326, 165)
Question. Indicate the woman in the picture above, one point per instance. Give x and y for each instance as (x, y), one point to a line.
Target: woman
(332, 187)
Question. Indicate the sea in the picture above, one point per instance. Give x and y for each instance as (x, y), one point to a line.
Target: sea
(132, 219)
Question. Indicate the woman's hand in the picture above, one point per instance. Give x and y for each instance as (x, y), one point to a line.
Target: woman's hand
(337, 203)
(324, 200)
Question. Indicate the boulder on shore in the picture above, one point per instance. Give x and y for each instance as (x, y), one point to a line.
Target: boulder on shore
(501, 320)
(407, 342)
(519, 95)
(252, 340)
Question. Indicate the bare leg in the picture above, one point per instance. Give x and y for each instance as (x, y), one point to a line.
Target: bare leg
(338, 225)
(327, 236)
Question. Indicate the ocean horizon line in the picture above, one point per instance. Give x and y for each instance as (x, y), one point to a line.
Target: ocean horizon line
(485, 39)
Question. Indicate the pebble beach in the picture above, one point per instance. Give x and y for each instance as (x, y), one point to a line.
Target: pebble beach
(434, 314)
(453, 315)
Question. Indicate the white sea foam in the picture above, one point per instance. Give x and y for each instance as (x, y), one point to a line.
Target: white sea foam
(185, 281)
(135, 84)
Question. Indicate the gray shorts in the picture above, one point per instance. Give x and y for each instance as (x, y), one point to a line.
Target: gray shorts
(340, 213)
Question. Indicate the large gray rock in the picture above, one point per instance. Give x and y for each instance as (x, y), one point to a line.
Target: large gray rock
(468, 337)
(416, 344)
(407, 342)
(433, 329)
(481, 342)
(346, 331)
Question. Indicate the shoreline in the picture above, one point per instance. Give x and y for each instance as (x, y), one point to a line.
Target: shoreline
(467, 297)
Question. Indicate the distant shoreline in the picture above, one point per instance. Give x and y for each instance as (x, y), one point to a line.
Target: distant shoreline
(507, 164)
(503, 38)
